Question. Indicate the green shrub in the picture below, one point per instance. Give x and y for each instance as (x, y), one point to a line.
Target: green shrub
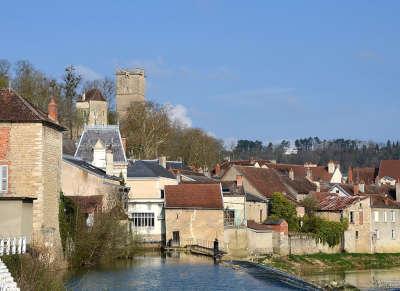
(281, 207)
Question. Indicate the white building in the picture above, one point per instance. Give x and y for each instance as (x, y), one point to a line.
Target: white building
(147, 180)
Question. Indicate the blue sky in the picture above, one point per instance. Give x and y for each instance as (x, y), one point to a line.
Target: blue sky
(266, 70)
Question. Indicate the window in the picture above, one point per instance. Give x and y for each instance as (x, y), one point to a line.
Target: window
(393, 216)
(143, 219)
(385, 216)
(393, 234)
(162, 193)
(351, 217)
(356, 234)
(229, 217)
(377, 233)
(3, 179)
(376, 216)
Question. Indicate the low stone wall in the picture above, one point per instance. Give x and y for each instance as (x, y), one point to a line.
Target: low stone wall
(260, 242)
(235, 240)
(301, 244)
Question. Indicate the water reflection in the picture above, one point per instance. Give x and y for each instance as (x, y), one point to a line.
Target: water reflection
(177, 271)
(365, 279)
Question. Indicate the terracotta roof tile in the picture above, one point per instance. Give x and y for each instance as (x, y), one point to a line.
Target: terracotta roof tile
(94, 95)
(333, 202)
(390, 168)
(14, 108)
(200, 196)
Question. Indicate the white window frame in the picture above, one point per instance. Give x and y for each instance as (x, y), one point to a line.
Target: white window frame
(393, 216)
(3, 180)
(143, 220)
(376, 216)
(385, 216)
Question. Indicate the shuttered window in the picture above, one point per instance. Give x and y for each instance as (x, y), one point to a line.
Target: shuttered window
(3, 179)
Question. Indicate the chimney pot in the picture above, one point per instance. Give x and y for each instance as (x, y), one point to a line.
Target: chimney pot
(52, 110)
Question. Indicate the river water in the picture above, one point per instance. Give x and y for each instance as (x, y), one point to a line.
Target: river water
(178, 271)
(362, 279)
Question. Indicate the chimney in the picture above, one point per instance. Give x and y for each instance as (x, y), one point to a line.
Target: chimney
(162, 161)
(356, 189)
(361, 187)
(124, 143)
(217, 170)
(52, 110)
(109, 162)
(239, 180)
(291, 174)
(331, 167)
(350, 175)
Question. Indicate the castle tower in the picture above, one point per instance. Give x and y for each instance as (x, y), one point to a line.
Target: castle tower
(131, 86)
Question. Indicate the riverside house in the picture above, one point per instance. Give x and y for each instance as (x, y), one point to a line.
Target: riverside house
(147, 180)
(30, 170)
(193, 214)
(374, 225)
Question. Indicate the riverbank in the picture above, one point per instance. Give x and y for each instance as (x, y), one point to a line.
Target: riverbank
(322, 263)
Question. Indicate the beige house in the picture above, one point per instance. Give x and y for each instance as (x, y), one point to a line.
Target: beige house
(91, 185)
(30, 169)
(193, 214)
(147, 180)
(93, 108)
(374, 226)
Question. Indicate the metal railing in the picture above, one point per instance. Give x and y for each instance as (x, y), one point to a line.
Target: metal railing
(13, 245)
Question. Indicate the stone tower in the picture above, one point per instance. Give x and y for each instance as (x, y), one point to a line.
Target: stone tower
(131, 86)
(93, 107)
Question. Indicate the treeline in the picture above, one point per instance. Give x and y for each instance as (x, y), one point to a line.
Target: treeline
(313, 149)
(150, 133)
(148, 127)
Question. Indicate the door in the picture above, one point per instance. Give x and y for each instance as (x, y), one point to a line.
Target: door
(176, 238)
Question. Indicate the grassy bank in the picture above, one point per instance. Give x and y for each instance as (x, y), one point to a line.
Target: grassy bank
(315, 263)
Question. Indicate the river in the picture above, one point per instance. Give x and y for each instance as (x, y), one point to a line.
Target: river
(178, 271)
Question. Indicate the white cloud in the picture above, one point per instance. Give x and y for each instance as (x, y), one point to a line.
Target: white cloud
(230, 143)
(87, 73)
(179, 113)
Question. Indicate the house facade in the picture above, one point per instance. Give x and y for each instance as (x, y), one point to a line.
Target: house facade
(193, 214)
(147, 181)
(30, 164)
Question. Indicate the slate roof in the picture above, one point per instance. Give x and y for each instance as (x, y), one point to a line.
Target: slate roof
(14, 108)
(193, 196)
(368, 189)
(147, 169)
(88, 167)
(108, 135)
(390, 168)
(177, 165)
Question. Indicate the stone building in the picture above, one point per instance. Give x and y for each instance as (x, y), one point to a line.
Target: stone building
(103, 147)
(147, 180)
(90, 186)
(374, 226)
(131, 87)
(194, 214)
(30, 161)
(93, 108)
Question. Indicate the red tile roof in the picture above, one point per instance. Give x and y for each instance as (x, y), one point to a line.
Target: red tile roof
(318, 173)
(197, 196)
(380, 201)
(333, 202)
(365, 174)
(390, 168)
(14, 108)
(269, 181)
(94, 95)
